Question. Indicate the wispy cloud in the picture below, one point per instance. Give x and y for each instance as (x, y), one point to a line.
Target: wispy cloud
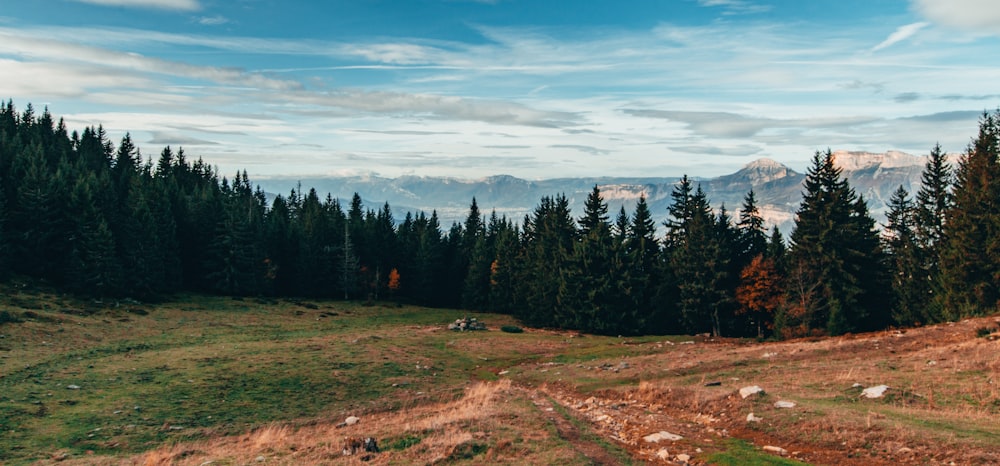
(216, 20)
(900, 34)
(95, 57)
(736, 7)
(178, 5)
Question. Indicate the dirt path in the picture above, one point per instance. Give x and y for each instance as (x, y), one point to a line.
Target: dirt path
(568, 431)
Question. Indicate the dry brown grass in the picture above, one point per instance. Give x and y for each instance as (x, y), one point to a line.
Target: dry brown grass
(441, 427)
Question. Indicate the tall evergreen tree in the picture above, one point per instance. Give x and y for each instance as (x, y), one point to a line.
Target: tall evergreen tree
(643, 262)
(593, 293)
(909, 283)
(694, 259)
(837, 269)
(549, 236)
(933, 202)
(752, 235)
(970, 259)
(93, 267)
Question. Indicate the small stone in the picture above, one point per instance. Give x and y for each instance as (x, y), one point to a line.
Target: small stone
(856, 385)
(661, 435)
(784, 404)
(752, 418)
(683, 458)
(751, 390)
(73, 387)
(260, 459)
(874, 392)
(663, 454)
(775, 450)
(351, 420)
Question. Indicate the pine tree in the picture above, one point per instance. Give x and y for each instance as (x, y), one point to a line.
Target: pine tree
(909, 282)
(642, 260)
(694, 260)
(837, 269)
(933, 202)
(549, 235)
(503, 269)
(593, 293)
(752, 235)
(970, 259)
(92, 267)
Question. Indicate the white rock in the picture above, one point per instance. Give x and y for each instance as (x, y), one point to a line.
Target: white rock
(784, 404)
(752, 418)
(663, 454)
(261, 459)
(856, 385)
(73, 387)
(769, 355)
(683, 458)
(351, 420)
(874, 392)
(661, 435)
(751, 390)
(775, 450)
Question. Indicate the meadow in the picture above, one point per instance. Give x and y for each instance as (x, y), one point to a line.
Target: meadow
(218, 380)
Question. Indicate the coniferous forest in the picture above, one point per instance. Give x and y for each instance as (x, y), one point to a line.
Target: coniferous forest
(105, 221)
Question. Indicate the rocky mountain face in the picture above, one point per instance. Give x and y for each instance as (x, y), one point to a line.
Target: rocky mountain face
(778, 189)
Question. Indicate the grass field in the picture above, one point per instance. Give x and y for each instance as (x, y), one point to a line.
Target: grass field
(240, 381)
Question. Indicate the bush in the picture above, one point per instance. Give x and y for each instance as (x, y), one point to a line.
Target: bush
(511, 329)
(7, 317)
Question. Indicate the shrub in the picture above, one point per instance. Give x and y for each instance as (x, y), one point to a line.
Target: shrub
(7, 317)
(511, 329)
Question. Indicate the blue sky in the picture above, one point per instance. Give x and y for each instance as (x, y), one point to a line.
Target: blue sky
(531, 88)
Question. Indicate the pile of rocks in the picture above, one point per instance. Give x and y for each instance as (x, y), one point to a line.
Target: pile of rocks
(465, 323)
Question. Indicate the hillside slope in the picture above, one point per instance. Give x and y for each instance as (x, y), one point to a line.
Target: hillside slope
(229, 381)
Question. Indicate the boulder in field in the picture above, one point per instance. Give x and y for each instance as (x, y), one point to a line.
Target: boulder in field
(751, 390)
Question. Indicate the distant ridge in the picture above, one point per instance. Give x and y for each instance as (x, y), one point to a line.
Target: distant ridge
(778, 189)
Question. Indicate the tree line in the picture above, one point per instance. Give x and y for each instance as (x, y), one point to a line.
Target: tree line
(103, 221)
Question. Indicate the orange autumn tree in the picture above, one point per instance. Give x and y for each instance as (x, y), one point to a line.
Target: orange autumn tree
(759, 294)
(393, 281)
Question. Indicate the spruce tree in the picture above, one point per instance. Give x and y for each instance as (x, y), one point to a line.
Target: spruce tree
(838, 281)
(932, 204)
(594, 281)
(752, 235)
(909, 283)
(970, 257)
(642, 259)
(549, 236)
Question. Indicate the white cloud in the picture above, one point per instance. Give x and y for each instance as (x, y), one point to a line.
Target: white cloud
(179, 5)
(736, 7)
(37, 49)
(974, 15)
(216, 20)
(902, 33)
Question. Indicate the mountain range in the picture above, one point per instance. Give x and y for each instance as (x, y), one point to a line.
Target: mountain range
(778, 189)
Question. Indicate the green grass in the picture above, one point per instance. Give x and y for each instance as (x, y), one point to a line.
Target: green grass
(741, 453)
(202, 366)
